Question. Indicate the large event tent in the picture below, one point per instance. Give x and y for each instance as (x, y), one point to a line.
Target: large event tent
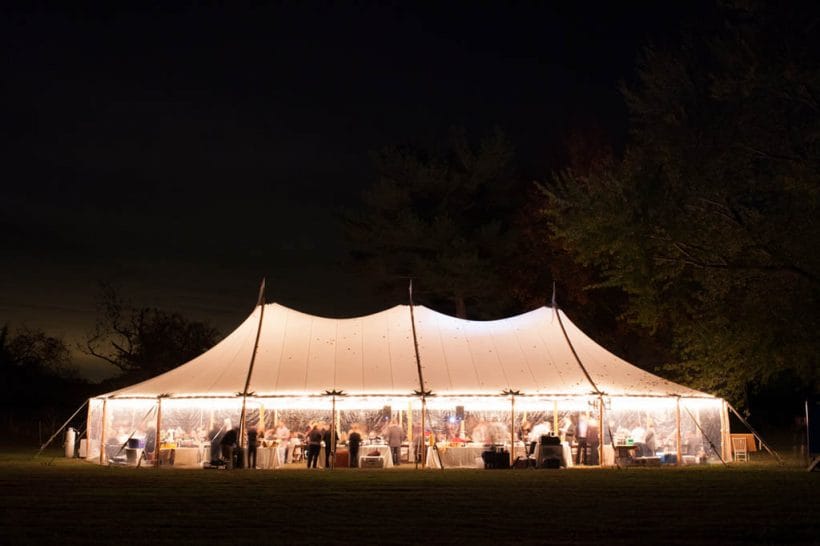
(420, 366)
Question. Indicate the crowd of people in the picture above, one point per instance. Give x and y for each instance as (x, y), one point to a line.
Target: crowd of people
(316, 440)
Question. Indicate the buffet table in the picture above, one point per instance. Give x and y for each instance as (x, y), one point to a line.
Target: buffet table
(565, 450)
(269, 458)
(181, 456)
(384, 453)
(455, 457)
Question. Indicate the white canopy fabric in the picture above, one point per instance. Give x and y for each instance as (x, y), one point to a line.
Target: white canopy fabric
(300, 354)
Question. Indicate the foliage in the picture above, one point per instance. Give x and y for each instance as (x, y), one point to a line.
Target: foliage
(143, 342)
(708, 223)
(443, 218)
(37, 382)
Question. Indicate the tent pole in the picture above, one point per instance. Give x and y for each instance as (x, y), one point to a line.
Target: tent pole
(332, 446)
(88, 432)
(725, 431)
(679, 461)
(243, 415)
(423, 393)
(157, 439)
(102, 431)
(601, 430)
(555, 417)
(423, 435)
(512, 430)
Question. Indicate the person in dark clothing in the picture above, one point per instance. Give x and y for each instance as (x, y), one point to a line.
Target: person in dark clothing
(228, 444)
(326, 436)
(314, 446)
(594, 442)
(354, 440)
(252, 435)
(581, 431)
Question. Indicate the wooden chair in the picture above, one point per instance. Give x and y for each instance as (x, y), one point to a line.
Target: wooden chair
(740, 449)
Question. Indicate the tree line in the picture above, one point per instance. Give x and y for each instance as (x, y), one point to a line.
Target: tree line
(692, 251)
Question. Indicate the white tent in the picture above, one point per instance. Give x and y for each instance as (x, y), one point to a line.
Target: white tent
(282, 358)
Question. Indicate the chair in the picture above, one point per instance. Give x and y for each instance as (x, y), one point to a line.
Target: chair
(740, 449)
(298, 453)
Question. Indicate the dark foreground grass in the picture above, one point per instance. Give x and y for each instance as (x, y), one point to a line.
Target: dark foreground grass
(76, 502)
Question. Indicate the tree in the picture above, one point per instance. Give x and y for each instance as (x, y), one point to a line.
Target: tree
(443, 218)
(143, 342)
(37, 381)
(708, 222)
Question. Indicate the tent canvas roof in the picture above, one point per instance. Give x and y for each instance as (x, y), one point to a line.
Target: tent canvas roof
(301, 354)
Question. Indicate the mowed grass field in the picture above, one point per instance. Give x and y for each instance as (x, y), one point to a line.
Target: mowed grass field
(61, 501)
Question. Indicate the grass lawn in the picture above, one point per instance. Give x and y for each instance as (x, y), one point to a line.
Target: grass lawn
(71, 501)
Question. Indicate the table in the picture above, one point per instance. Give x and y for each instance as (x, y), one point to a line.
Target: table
(268, 458)
(455, 457)
(625, 453)
(565, 450)
(384, 453)
(181, 456)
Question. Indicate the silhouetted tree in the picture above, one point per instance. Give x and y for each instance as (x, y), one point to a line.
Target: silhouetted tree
(38, 384)
(143, 342)
(443, 218)
(709, 222)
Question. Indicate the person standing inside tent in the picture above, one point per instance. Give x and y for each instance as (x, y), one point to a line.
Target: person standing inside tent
(638, 436)
(593, 441)
(581, 435)
(283, 440)
(354, 440)
(649, 439)
(252, 436)
(150, 443)
(314, 446)
(395, 435)
(329, 444)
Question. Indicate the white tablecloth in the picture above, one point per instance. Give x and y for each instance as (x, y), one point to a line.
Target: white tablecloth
(182, 456)
(455, 457)
(384, 452)
(566, 454)
(269, 457)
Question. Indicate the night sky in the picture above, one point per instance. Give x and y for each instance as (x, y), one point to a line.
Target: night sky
(182, 153)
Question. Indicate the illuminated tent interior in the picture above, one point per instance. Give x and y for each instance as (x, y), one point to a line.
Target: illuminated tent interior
(470, 382)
